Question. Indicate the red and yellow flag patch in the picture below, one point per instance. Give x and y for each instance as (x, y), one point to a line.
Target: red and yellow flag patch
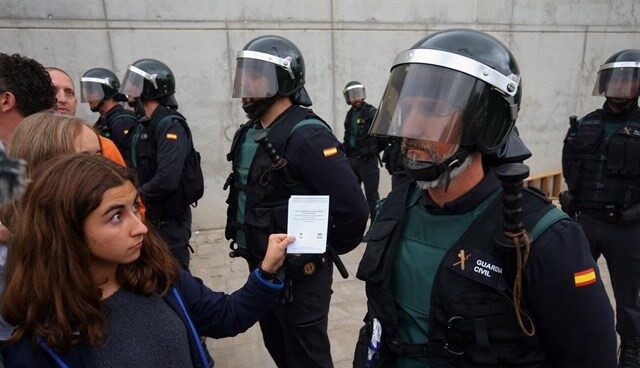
(328, 152)
(172, 136)
(584, 278)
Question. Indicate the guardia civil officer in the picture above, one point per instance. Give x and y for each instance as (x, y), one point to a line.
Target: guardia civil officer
(161, 152)
(100, 88)
(600, 161)
(444, 287)
(361, 148)
(286, 149)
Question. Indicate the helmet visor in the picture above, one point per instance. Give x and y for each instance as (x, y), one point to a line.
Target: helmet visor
(91, 89)
(432, 103)
(255, 78)
(622, 83)
(133, 83)
(353, 93)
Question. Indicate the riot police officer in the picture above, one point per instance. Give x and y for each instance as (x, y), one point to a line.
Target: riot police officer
(100, 88)
(600, 161)
(286, 149)
(361, 148)
(446, 285)
(167, 166)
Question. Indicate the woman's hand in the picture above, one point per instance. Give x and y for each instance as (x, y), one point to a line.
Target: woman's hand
(276, 251)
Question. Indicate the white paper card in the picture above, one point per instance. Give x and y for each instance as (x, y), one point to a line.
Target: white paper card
(308, 221)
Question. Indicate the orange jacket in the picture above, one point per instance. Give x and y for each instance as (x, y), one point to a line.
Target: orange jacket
(110, 151)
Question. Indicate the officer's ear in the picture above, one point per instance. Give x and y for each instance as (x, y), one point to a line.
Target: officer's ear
(7, 101)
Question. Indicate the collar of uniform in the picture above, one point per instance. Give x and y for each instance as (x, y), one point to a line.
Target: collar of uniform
(112, 110)
(620, 117)
(258, 124)
(467, 201)
(160, 109)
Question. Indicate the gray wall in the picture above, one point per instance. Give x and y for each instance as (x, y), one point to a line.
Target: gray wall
(558, 44)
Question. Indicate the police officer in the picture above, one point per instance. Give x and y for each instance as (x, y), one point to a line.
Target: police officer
(100, 87)
(161, 146)
(600, 161)
(286, 149)
(361, 148)
(446, 286)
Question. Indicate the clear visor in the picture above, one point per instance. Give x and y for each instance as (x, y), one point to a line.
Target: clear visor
(432, 103)
(132, 84)
(255, 79)
(622, 83)
(354, 93)
(91, 90)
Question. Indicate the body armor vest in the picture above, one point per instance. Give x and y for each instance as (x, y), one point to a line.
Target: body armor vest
(268, 187)
(144, 159)
(366, 145)
(471, 319)
(603, 172)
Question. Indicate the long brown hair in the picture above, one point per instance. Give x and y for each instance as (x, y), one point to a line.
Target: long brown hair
(49, 291)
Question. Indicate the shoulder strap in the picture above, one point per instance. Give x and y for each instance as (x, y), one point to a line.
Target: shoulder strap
(237, 137)
(295, 115)
(56, 358)
(192, 329)
(177, 117)
(551, 217)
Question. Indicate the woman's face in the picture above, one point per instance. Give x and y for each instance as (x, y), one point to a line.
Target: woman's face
(87, 142)
(114, 230)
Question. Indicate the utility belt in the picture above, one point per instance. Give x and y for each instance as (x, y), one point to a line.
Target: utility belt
(610, 213)
(305, 265)
(296, 268)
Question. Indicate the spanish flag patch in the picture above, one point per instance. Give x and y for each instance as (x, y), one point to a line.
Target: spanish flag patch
(172, 136)
(584, 278)
(328, 152)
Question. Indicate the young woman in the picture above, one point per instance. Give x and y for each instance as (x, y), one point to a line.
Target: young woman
(89, 286)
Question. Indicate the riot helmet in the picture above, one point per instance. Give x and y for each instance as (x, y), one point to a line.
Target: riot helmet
(353, 91)
(150, 79)
(458, 87)
(270, 66)
(99, 84)
(619, 76)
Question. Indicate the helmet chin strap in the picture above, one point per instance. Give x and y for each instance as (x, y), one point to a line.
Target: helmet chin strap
(622, 104)
(255, 110)
(138, 108)
(431, 170)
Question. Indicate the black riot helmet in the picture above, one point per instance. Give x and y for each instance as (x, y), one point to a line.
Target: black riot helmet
(100, 84)
(354, 90)
(619, 76)
(150, 79)
(456, 86)
(271, 66)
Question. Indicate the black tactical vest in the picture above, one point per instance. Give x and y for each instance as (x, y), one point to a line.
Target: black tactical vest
(601, 172)
(366, 145)
(144, 159)
(268, 189)
(472, 321)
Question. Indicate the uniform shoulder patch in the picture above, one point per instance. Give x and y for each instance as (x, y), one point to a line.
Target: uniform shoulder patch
(584, 278)
(172, 136)
(328, 152)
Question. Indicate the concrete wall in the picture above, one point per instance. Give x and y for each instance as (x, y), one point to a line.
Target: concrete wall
(558, 45)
